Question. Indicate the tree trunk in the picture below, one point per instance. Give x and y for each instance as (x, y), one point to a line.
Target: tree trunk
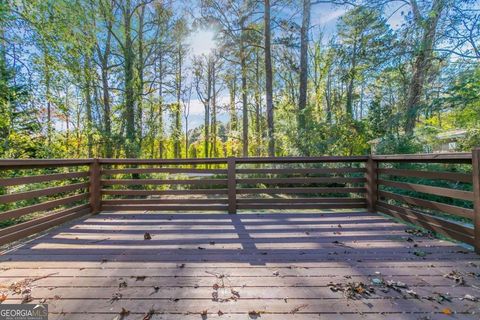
(131, 148)
(243, 70)
(269, 80)
(214, 111)
(88, 103)
(351, 80)
(302, 100)
(423, 59)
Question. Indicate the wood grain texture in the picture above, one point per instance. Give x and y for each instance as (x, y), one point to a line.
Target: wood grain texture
(278, 264)
(476, 197)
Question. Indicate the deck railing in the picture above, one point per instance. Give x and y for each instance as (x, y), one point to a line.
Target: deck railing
(440, 192)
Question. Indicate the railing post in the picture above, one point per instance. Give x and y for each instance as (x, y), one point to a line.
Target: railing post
(94, 189)
(232, 185)
(372, 188)
(476, 197)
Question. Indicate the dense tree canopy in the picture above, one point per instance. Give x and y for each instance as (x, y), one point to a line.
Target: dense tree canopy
(127, 78)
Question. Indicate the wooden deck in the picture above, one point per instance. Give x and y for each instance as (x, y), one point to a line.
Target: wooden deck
(243, 266)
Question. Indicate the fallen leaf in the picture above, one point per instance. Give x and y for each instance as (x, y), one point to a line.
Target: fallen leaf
(26, 298)
(469, 297)
(3, 297)
(147, 236)
(447, 311)
(123, 313)
(298, 308)
(140, 278)
(122, 284)
(419, 253)
(149, 314)
(115, 297)
(235, 293)
(220, 313)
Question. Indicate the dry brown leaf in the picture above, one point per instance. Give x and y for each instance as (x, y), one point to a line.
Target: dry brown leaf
(147, 236)
(298, 308)
(447, 311)
(149, 314)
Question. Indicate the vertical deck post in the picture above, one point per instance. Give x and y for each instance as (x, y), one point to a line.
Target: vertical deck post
(94, 189)
(371, 185)
(232, 185)
(476, 197)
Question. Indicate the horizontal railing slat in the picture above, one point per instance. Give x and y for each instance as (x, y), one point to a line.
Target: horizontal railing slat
(447, 208)
(452, 176)
(254, 206)
(458, 157)
(8, 198)
(43, 178)
(299, 190)
(162, 170)
(34, 226)
(8, 164)
(301, 171)
(301, 200)
(16, 213)
(46, 218)
(445, 192)
(163, 201)
(208, 207)
(450, 229)
(198, 161)
(302, 159)
(162, 192)
(300, 180)
(129, 182)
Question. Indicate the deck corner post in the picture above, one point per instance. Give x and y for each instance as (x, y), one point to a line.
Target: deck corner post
(94, 189)
(232, 185)
(476, 197)
(372, 187)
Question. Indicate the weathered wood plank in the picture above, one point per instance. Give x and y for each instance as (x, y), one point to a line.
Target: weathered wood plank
(162, 192)
(8, 198)
(307, 180)
(444, 192)
(162, 170)
(130, 182)
(449, 229)
(300, 190)
(15, 213)
(447, 208)
(289, 206)
(435, 175)
(302, 170)
(42, 178)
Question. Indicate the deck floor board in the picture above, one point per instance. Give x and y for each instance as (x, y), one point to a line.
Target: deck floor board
(248, 266)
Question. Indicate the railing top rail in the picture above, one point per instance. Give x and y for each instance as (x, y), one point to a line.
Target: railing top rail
(459, 157)
(7, 163)
(463, 157)
(302, 159)
(238, 160)
(162, 161)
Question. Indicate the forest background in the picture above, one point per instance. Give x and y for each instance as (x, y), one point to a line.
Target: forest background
(216, 78)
